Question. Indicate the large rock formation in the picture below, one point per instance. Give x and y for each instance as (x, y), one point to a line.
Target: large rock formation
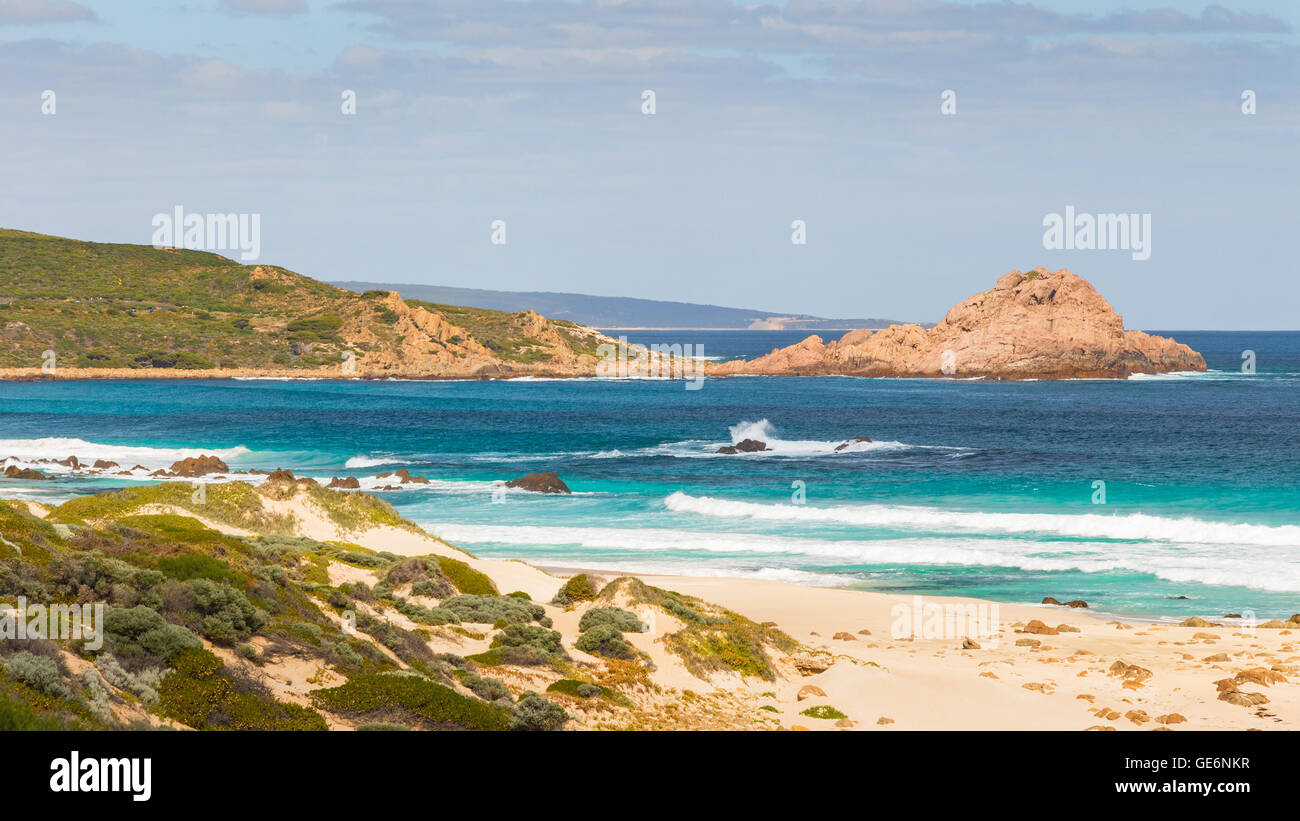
(1037, 325)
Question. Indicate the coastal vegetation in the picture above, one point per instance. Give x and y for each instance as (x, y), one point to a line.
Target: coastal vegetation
(138, 310)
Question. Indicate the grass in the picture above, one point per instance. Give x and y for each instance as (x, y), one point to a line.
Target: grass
(416, 697)
(824, 711)
(712, 639)
(103, 305)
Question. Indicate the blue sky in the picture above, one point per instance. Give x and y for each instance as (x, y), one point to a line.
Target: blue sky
(827, 111)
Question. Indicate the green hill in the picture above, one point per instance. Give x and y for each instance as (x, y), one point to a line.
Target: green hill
(135, 307)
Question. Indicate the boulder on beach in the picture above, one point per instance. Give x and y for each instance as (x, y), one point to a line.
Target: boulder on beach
(744, 446)
(104, 464)
(281, 475)
(199, 466)
(349, 482)
(540, 483)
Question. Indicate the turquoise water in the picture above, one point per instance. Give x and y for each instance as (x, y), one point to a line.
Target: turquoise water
(970, 487)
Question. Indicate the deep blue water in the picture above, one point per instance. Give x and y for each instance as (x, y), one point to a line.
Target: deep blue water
(974, 488)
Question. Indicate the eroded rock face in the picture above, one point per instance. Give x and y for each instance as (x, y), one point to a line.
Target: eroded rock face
(1038, 325)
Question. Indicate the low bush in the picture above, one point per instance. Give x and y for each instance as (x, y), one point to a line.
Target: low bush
(533, 712)
(604, 640)
(422, 698)
(577, 589)
(615, 617)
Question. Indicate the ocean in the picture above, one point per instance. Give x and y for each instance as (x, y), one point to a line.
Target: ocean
(1157, 497)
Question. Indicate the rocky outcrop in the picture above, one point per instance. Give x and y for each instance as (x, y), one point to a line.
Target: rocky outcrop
(347, 482)
(743, 446)
(199, 466)
(1035, 325)
(540, 483)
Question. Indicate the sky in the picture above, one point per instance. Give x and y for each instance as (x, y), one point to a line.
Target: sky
(828, 112)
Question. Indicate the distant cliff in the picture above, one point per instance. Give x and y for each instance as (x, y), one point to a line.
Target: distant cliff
(1035, 325)
(619, 312)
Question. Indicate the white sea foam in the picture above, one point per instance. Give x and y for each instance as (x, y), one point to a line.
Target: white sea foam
(1133, 526)
(358, 462)
(1260, 568)
(27, 451)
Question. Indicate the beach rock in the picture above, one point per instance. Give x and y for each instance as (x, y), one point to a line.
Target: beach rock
(540, 483)
(1067, 628)
(1037, 627)
(1243, 699)
(280, 475)
(407, 478)
(14, 472)
(1027, 642)
(1232, 615)
(847, 442)
(864, 632)
(845, 723)
(809, 691)
(104, 464)
(1049, 600)
(843, 636)
(69, 462)
(1076, 603)
(349, 482)
(969, 644)
(1130, 672)
(1197, 621)
(199, 466)
(743, 446)
(884, 720)
(1217, 657)
(1275, 624)
(1259, 675)
(810, 664)
(1040, 325)
(1171, 718)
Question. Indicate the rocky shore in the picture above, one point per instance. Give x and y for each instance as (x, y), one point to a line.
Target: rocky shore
(1035, 325)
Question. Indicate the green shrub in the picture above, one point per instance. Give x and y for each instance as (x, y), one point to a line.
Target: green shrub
(38, 672)
(200, 695)
(198, 566)
(228, 615)
(604, 640)
(491, 609)
(142, 632)
(465, 578)
(488, 689)
(822, 711)
(142, 684)
(576, 589)
(533, 712)
(615, 617)
(429, 700)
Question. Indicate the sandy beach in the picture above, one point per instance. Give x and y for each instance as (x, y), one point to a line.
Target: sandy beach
(1035, 667)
